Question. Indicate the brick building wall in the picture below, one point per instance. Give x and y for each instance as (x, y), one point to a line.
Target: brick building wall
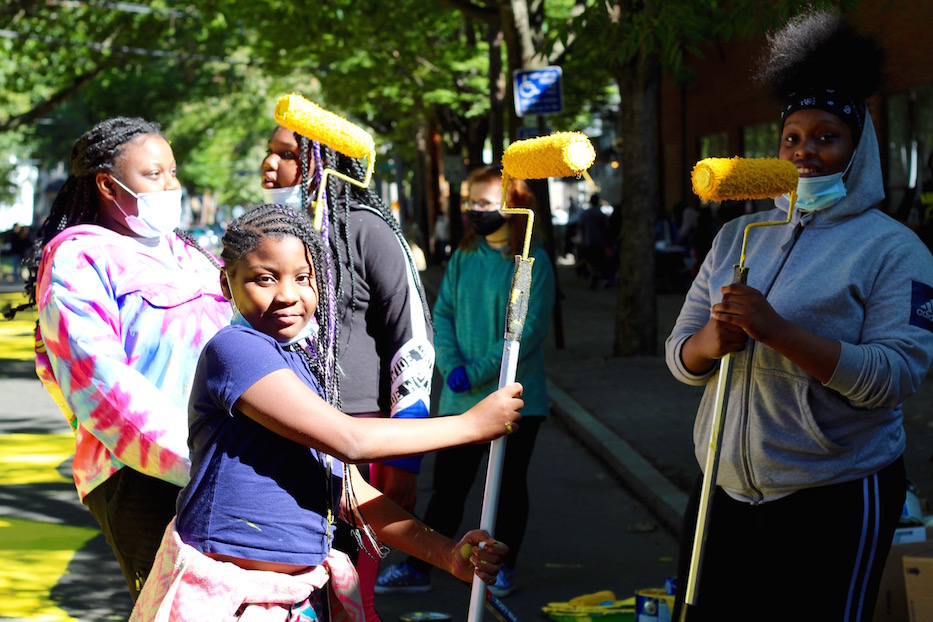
(723, 96)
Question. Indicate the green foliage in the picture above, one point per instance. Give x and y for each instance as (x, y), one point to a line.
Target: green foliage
(211, 71)
(71, 64)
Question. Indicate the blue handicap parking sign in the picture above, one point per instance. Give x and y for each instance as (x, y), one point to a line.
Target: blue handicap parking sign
(538, 91)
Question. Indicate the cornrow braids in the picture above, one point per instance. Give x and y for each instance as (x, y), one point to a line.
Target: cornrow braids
(97, 150)
(303, 147)
(243, 236)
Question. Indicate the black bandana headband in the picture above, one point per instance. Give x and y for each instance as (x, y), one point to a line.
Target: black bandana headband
(843, 106)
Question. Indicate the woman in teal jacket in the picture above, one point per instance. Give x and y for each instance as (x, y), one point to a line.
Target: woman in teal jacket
(469, 322)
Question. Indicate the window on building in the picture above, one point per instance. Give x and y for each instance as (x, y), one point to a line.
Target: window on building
(910, 147)
(761, 140)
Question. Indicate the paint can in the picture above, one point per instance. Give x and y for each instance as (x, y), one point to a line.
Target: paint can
(653, 605)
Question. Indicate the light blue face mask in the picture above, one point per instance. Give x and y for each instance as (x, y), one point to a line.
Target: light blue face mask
(290, 196)
(819, 193)
(239, 320)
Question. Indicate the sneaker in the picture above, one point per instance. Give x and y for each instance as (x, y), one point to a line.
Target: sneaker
(402, 579)
(505, 582)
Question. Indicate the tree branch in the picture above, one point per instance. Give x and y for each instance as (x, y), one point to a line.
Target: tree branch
(560, 50)
(46, 106)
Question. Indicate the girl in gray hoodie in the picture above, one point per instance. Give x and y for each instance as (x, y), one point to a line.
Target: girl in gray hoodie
(833, 331)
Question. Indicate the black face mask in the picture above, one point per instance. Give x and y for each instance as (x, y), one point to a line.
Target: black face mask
(485, 223)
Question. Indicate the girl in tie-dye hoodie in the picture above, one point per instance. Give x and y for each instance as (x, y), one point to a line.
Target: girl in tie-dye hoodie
(126, 303)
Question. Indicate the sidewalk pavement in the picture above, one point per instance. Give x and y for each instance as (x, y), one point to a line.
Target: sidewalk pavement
(633, 414)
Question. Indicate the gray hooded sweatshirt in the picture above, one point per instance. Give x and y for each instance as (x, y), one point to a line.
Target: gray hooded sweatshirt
(849, 273)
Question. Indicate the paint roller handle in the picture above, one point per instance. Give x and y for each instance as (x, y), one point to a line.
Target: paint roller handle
(739, 274)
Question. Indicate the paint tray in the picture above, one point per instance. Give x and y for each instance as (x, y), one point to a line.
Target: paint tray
(600, 606)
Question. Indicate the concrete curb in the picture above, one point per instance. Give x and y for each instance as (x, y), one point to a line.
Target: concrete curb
(665, 500)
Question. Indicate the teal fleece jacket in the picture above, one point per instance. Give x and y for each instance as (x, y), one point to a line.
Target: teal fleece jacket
(849, 273)
(469, 324)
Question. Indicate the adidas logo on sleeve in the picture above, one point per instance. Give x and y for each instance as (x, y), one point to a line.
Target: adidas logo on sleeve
(921, 306)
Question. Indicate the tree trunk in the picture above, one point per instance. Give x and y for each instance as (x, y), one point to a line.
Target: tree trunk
(636, 329)
(496, 93)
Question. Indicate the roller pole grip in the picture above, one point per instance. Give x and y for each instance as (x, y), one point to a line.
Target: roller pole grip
(739, 274)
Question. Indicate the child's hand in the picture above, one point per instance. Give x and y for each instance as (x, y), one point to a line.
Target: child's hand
(477, 553)
(498, 413)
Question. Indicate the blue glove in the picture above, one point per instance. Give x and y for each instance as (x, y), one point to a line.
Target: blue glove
(458, 381)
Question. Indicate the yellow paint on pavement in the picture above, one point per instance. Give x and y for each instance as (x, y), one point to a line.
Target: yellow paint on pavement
(34, 458)
(17, 336)
(33, 556)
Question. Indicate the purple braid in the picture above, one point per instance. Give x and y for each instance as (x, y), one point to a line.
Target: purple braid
(331, 319)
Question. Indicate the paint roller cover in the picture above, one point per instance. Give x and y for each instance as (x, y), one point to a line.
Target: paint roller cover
(562, 154)
(735, 179)
(297, 114)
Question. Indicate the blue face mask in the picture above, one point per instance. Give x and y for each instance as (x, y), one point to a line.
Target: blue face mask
(239, 320)
(290, 196)
(819, 193)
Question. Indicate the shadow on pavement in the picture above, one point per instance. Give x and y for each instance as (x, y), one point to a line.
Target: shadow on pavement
(20, 370)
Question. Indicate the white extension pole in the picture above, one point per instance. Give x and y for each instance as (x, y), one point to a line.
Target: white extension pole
(709, 480)
(487, 518)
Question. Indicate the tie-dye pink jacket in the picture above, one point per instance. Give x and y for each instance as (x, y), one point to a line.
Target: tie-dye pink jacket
(121, 328)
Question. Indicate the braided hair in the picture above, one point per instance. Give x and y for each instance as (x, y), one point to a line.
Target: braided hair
(338, 197)
(96, 151)
(336, 200)
(244, 235)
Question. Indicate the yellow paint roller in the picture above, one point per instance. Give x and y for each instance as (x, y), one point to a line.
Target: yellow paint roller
(737, 179)
(304, 117)
(730, 179)
(562, 154)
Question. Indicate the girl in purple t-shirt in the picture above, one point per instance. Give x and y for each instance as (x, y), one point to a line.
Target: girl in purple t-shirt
(271, 457)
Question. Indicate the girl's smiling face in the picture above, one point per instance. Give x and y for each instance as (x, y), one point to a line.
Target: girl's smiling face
(273, 287)
(817, 142)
